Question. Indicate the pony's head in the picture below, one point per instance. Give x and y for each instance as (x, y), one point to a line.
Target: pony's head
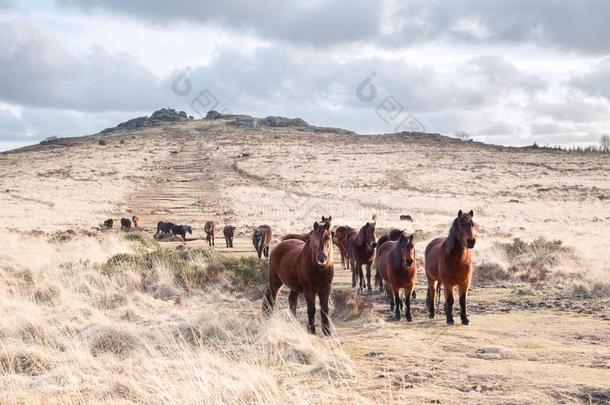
(463, 229)
(189, 229)
(407, 249)
(368, 234)
(321, 240)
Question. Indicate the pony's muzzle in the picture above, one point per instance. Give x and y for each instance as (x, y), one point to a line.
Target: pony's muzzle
(322, 258)
(470, 243)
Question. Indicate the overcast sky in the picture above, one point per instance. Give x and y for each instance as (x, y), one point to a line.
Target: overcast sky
(506, 71)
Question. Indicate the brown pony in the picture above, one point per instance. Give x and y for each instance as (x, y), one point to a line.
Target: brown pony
(136, 221)
(394, 234)
(305, 267)
(228, 232)
(305, 236)
(449, 262)
(361, 251)
(261, 238)
(396, 264)
(340, 240)
(209, 228)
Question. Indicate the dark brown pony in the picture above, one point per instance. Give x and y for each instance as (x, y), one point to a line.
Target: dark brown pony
(340, 239)
(396, 264)
(209, 229)
(305, 236)
(449, 263)
(228, 232)
(394, 234)
(361, 251)
(305, 267)
(261, 238)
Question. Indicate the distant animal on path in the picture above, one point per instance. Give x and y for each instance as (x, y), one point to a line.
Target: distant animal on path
(340, 239)
(261, 238)
(209, 228)
(397, 267)
(125, 224)
(304, 267)
(406, 218)
(108, 223)
(361, 251)
(305, 236)
(164, 227)
(182, 230)
(449, 263)
(228, 232)
(136, 220)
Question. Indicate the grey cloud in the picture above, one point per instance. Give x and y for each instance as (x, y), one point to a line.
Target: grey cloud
(596, 82)
(12, 128)
(305, 22)
(35, 70)
(565, 24)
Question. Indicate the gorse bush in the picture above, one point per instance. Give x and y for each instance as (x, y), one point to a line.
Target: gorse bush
(189, 268)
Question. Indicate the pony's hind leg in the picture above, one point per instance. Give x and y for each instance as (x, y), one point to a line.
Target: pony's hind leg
(293, 299)
(430, 295)
(324, 295)
(368, 277)
(463, 291)
(354, 274)
(310, 297)
(271, 294)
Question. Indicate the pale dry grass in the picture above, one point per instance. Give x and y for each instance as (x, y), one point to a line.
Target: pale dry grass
(73, 335)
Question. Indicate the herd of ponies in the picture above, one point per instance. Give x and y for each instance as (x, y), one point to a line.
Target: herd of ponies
(304, 264)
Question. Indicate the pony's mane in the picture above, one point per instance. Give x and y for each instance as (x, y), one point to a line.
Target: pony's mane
(450, 242)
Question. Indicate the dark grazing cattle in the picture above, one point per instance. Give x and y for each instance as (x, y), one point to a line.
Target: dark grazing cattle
(125, 224)
(182, 230)
(164, 227)
(108, 223)
(228, 233)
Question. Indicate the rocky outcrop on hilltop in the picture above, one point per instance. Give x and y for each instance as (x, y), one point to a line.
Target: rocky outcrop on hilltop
(158, 117)
(247, 121)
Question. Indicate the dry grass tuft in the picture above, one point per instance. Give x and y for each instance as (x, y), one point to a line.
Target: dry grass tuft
(47, 294)
(118, 340)
(347, 304)
(24, 361)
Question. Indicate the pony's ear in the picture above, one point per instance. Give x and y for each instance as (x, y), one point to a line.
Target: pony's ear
(327, 225)
(471, 213)
(330, 218)
(315, 226)
(460, 213)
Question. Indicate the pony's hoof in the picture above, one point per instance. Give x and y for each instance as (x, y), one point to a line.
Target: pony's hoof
(465, 321)
(450, 321)
(409, 319)
(431, 316)
(397, 317)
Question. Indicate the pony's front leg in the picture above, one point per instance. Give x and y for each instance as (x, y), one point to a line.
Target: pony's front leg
(368, 277)
(408, 305)
(310, 297)
(354, 273)
(324, 295)
(449, 304)
(396, 306)
(430, 297)
(360, 275)
(463, 291)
